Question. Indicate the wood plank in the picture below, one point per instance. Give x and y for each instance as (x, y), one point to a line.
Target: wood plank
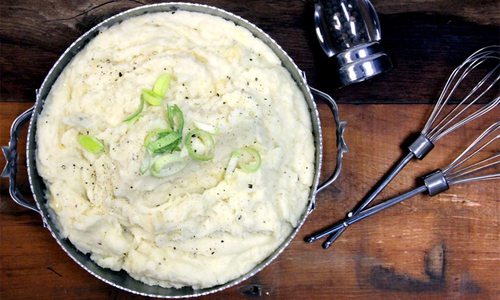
(482, 12)
(425, 38)
(447, 246)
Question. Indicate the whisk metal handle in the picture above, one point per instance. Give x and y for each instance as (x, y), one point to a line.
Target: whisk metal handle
(378, 189)
(372, 210)
(386, 204)
(434, 183)
(421, 146)
(419, 149)
(387, 179)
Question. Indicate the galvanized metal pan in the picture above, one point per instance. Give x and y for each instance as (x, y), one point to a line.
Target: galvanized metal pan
(121, 279)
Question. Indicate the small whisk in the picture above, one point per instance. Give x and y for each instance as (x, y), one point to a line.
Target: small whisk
(440, 122)
(474, 164)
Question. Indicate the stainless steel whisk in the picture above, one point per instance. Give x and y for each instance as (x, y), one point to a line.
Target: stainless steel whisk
(467, 167)
(440, 123)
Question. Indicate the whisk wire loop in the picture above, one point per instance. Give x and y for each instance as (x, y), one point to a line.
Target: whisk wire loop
(439, 123)
(464, 167)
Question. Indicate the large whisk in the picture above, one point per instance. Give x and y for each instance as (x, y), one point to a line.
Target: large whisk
(441, 121)
(474, 164)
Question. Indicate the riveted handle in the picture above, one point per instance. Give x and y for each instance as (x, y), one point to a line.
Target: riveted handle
(11, 156)
(341, 144)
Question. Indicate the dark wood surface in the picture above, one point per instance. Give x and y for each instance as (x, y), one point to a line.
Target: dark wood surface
(441, 247)
(425, 38)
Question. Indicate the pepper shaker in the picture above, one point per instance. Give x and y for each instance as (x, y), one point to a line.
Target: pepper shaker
(350, 30)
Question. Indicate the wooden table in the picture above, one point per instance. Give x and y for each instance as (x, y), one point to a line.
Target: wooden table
(442, 247)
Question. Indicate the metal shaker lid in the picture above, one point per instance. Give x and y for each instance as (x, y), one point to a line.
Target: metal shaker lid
(362, 62)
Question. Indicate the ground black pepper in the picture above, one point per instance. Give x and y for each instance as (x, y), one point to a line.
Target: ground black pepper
(344, 23)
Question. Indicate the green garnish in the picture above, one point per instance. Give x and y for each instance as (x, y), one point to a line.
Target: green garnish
(135, 115)
(233, 163)
(155, 134)
(151, 97)
(90, 143)
(249, 159)
(175, 118)
(167, 165)
(155, 96)
(161, 141)
(196, 137)
(145, 163)
(206, 127)
(162, 85)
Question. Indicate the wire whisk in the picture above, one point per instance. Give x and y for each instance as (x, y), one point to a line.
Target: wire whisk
(442, 121)
(439, 125)
(470, 166)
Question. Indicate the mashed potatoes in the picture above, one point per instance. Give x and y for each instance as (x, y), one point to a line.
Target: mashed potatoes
(197, 227)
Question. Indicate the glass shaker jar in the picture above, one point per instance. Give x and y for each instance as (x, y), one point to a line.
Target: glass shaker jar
(350, 30)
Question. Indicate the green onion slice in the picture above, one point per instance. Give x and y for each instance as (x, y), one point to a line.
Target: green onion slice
(90, 143)
(145, 163)
(175, 118)
(162, 141)
(233, 162)
(249, 159)
(168, 164)
(155, 134)
(162, 85)
(151, 97)
(206, 127)
(200, 145)
(135, 115)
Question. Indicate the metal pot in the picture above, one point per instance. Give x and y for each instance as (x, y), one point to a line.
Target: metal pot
(121, 279)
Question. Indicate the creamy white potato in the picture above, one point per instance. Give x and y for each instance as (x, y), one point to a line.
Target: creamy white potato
(197, 227)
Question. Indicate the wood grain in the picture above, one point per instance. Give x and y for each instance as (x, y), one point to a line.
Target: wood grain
(441, 247)
(432, 248)
(426, 40)
(482, 12)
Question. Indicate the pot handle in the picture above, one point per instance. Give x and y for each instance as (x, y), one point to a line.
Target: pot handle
(341, 144)
(10, 153)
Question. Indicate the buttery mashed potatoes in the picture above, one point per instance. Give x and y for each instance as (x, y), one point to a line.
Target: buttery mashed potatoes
(198, 227)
